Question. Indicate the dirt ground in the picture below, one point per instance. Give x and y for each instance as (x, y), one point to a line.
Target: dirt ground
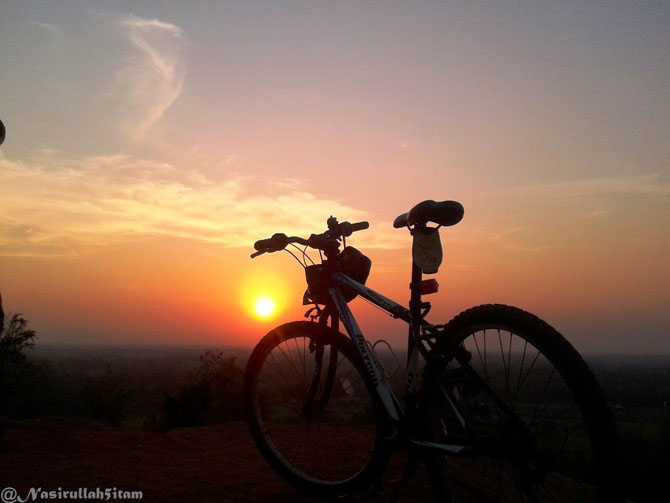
(205, 464)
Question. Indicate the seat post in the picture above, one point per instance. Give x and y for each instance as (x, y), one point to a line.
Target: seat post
(415, 289)
(414, 306)
(411, 400)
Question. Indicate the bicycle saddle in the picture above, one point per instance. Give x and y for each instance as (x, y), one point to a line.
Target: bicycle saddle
(445, 213)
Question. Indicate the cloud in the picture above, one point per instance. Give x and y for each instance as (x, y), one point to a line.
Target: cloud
(48, 27)
(597, 213)
(512, 240)
(153, 72)
(647, 184)
(59, 205)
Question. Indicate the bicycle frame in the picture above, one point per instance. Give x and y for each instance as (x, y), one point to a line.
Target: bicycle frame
(371, 363)
(372, 366)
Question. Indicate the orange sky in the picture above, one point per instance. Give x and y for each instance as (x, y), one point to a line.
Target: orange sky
(149, 147)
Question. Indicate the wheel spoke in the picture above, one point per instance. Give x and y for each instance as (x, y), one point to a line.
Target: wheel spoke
(527, 418)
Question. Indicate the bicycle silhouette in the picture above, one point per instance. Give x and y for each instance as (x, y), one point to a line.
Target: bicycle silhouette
(497, 404)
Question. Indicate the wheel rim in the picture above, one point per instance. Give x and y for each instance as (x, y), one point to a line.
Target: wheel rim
(315, 411)
(548, 457)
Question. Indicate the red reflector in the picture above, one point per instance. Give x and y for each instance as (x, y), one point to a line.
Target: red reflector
(429, 286)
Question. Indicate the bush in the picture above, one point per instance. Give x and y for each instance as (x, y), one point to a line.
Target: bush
(106, 396)
(211, 395)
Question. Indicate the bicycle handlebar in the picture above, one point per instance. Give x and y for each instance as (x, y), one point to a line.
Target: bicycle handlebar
(325, 242)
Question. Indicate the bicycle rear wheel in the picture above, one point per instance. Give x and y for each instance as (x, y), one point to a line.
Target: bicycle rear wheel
(541, 426)
(311, 409)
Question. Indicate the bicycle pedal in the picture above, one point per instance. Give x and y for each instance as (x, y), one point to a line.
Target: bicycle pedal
(435, 446)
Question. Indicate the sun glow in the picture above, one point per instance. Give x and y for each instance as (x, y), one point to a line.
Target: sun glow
(269, 290)
(264, 306)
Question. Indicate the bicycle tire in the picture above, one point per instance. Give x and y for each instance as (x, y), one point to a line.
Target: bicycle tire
(336, 448)
(566, 449)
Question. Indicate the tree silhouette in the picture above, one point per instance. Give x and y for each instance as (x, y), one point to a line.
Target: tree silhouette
(15, 336)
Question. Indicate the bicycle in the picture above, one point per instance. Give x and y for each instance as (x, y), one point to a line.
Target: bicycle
(497, 404)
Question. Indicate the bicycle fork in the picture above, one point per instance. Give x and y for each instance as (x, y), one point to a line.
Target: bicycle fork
(313, 405)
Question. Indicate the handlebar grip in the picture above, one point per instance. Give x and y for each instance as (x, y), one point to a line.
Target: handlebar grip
(360, 226)
(262, 244)
(275, 243)
(347, 229)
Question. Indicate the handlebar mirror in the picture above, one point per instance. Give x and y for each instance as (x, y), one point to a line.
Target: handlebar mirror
(3, 131)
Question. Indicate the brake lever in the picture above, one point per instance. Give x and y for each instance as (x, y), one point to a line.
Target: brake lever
(259, 252)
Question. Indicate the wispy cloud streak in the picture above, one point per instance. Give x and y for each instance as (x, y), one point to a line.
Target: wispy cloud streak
(641, 184)
(153, 73)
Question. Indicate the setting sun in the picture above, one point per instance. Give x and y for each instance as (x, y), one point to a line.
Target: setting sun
(268, 289)
(264, 306)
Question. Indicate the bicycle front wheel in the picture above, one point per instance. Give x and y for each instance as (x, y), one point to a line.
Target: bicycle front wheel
(533, 410)
(311, 409)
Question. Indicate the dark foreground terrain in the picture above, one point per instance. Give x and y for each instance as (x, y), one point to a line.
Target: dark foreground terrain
(203, 464)
(189, 464)
(137, 420)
